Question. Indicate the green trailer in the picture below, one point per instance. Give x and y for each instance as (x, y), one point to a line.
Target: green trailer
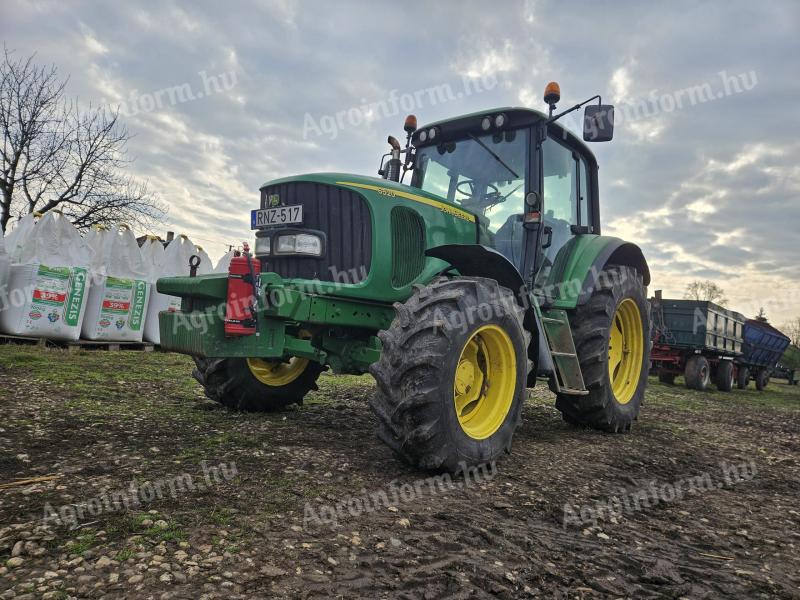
(456, 291)
(697, 339)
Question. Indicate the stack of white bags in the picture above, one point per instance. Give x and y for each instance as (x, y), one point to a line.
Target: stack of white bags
(56, 284)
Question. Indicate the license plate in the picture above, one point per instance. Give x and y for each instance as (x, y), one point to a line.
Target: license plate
(280, 215)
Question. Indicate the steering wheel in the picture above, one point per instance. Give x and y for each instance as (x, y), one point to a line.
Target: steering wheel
(491, 189)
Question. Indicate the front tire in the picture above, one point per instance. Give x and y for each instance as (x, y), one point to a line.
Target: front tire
(256, 384)
(613, 350)
(452, 374)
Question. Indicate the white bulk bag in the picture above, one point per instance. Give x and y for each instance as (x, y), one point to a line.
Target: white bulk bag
(47, 288)
(117, 304)
(96, 238)
(153, 255)
(5, 262)
(175, 264)
(17, 236)
(206, 267)
(224, 263)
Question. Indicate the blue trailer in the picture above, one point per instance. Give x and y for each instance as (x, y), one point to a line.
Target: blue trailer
(763, 347)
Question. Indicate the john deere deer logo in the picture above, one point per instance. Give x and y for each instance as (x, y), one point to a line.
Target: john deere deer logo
(273, 200)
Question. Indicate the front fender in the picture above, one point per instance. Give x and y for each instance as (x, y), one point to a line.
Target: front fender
(571, 281)
(475, 260)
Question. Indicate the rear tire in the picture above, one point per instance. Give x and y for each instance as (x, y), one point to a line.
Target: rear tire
(452, 374)
(667, 378)
(697, 373)
(743, 378)
(618, 303)
(762, 379)
(725, 376)
(232, 383)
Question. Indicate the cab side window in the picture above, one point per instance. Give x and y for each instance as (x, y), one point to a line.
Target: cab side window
(566, 197)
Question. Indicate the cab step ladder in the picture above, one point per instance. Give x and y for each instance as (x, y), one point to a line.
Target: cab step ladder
(568, 376)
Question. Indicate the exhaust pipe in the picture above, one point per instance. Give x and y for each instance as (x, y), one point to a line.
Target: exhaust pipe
(392, 169)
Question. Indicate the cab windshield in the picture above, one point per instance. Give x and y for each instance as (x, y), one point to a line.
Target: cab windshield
(484, 174)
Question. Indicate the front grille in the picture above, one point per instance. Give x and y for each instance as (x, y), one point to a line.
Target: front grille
(342, 215)
(408, 246)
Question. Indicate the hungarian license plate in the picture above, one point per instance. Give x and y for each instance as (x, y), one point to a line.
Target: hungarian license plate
(280, 215)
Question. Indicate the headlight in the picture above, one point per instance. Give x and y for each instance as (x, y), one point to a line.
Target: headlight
(423, 136)
(486, 123)
(499, 120)
(432, 133)
(262, 246)
(300, 243)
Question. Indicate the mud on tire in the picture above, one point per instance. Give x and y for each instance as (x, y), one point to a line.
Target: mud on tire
(415, 401)
(230, 382)
(591, 328)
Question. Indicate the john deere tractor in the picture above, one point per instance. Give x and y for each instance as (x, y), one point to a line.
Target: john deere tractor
(456, 290)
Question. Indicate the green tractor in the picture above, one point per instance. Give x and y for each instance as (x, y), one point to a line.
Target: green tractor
(456, 291)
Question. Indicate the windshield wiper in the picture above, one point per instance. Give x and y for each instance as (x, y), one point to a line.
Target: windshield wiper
(497, 158)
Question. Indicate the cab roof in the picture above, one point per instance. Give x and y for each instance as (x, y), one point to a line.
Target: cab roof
(458, 127)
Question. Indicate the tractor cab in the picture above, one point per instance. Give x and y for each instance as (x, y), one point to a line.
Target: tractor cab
(530, 182)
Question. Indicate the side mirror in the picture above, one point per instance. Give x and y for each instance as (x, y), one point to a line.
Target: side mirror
(598, 123)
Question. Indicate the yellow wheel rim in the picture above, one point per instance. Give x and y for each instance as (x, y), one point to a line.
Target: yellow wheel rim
(276, 373)
(625, 351)
(484, 382)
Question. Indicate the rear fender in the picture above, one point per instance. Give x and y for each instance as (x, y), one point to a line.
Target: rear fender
(572, 280)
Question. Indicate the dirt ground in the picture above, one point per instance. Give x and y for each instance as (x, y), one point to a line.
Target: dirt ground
(97, 423)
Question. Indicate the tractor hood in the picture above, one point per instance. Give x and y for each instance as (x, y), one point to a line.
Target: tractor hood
(383, 187)
(362, 182)
(353, 231)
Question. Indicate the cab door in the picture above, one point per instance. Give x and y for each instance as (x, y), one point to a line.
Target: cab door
(566, 180)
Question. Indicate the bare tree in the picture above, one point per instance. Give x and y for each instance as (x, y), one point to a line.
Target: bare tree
(792, 329)
(762, 315)
(705, 291)
(56, 155)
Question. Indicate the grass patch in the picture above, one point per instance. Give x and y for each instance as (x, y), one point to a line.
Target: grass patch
(220, 516)
(125, 554)
(776, 396)
(81, 543)
(173, 533)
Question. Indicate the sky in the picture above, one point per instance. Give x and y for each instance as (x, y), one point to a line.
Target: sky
(223, 96)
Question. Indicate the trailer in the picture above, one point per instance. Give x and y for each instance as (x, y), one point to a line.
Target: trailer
(785, 372)
(789, 365)
(762, 350)
(697, 339)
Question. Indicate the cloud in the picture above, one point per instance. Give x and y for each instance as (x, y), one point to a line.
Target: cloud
(708, 188)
